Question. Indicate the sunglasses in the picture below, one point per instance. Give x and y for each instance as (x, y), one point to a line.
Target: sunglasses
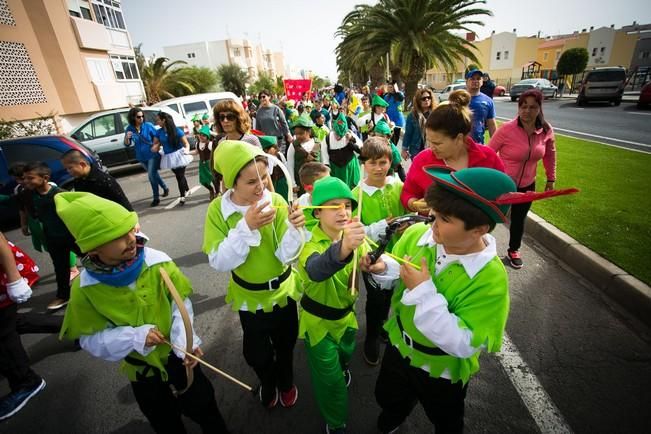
(228, 116)
(262, 96)
(425, 98)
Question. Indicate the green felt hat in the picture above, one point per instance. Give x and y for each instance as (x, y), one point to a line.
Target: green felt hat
(268, 141)
(480, 186)
(205, 130)
(382, 128)
(377, 100)
(92, 220)
(304, 121)
(196, 118)
(329, 188)
(205, 117)
(231, 156)
(290, 103)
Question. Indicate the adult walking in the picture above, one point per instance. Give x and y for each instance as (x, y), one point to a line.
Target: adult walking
(176, 150)
(140, 135)
(271, 121)
(414, 139)
(522, 143)
(449, 142)
(394, 98)
(482, 107)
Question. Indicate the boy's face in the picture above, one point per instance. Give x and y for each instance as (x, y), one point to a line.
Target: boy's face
(33, 180)
(335, 219)
(302, 135)
(320, 120)
(249, 186)
(76, 169)
(203, 139)
(378, 109)
(272, 151)
(20, 180)
(451, 232)
(117, 251)
(376, 169)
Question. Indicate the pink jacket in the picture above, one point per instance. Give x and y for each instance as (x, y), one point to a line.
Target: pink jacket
(521, 153)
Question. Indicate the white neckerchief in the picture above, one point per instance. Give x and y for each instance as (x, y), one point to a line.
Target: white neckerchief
(369, 189)
(229, 207)
(307, 146)
(336, 143)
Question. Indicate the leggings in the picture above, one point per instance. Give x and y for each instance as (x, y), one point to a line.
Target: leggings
(518, 216)
(179, 172)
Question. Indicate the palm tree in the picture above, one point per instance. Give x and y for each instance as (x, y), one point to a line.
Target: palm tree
(161, 80)
(233, 79)
(415, 34)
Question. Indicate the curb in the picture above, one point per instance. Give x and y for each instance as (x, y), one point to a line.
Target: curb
(630, 292)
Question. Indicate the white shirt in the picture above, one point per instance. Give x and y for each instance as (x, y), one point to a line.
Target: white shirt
(308, 147)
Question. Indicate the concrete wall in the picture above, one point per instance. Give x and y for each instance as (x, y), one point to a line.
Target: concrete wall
(502, 51)
(600, 45)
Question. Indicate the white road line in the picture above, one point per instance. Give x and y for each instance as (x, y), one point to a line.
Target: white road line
(542, 409)
(641, 114)
(178, 199)
(593, 135)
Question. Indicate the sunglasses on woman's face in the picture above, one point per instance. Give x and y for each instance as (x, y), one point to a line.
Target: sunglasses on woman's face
(425, 98)
(227, 116)
(262, 96)
(140, 117)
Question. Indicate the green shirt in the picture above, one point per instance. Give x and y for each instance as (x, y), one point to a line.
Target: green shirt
(481, 304)
(261, 263)
(319, 133)
(96, 307)
(382, 204)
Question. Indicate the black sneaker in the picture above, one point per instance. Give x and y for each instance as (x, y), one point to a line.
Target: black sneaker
(341, 430)
(154, 202)
(347, 377)
(166, 192)
(268, 400)
(514, 259)
(15, 401)
(372, 351)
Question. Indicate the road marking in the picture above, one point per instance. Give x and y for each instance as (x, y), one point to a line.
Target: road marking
(637, 113)
(628, 142)
(542, 409)
(178, 199)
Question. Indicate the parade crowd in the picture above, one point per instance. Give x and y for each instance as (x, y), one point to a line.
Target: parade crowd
(310, 202)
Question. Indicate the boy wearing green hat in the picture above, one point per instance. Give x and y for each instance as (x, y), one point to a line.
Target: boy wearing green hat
(342, 146)
(319, 130)
(451, 308)
(327, 319)
(270, 146)
(204, 149)
(368, 122)
(119, 309)
(251, 233)
(304, 149)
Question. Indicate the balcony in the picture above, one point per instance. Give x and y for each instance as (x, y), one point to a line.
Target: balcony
(91, 35)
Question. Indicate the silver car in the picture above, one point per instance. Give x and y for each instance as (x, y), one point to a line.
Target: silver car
(548, 89)
(445, 93)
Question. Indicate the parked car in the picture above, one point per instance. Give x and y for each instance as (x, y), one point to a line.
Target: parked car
(499, 91)
(602, 84)
(47, 149)
(188, 106)
(103, 132)
(645, 96)
(445, 93)
(547, 88)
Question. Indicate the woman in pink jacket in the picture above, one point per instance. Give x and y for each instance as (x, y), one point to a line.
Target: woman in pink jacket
(521, 144)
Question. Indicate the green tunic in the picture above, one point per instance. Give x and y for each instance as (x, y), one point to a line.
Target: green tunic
(480, 303)
(94, 308)
(382, 204)
(261, 264)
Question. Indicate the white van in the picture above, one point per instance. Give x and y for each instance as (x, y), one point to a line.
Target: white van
(188, 106)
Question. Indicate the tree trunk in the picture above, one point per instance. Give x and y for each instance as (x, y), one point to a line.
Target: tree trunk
(416, 72)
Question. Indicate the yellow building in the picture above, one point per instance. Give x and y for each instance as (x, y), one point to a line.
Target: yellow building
(68, 58)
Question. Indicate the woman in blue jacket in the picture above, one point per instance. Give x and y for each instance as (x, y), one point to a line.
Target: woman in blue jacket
(414, 139)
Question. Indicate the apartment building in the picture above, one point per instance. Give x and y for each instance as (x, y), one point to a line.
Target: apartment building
(66, 58)
(253, 58)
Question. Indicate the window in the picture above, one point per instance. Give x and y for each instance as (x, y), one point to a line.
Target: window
(28, 152)
(643, 55)
(75, 14)
(110, 14)
(602, 50)
(104, 126)
(191, 55)
(236, 52)
(174, 107)
(192, 108)
(125, 67)
(594, 52)
(506, 55)
(213, 102)
(545, 56)
(85, 13)
(499, 53)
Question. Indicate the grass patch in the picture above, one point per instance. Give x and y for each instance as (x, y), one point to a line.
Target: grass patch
(611, 213)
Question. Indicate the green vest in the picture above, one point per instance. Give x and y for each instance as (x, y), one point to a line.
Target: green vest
(300, 155)
(94, 308)
(481, 304)
(384, 203)
(319, 133)
(261, 264)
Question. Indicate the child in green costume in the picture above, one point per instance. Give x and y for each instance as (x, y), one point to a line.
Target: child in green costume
(343, 146)
(381, 198)
(204, 149)
(309, 174)
(319, 130)
(270, 146)
(251, 233)
(383, 129)
(441, 321)
(304, 149)
(120, 309)
(327, 319)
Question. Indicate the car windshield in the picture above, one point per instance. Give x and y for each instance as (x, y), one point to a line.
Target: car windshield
(191, 108)
(530, 81)
(607, 76)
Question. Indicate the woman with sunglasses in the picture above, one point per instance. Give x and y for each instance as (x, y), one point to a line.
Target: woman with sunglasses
(176, 150)
(140, 134)
(414, 139)
(270, 119)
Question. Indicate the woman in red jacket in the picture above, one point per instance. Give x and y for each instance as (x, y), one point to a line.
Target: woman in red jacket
(447, 132)
(522, 143)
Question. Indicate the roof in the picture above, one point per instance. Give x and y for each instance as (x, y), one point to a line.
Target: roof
(554, 43)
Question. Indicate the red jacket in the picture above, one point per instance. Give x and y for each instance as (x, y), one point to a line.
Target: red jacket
(417, 180)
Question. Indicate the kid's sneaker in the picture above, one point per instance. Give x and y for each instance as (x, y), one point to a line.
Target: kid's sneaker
(15, 401)
(268, 401)
(514, 259)
(289, 397)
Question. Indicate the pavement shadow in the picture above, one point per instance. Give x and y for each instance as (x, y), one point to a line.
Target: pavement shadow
(202, 303)
(134, 427)
(191, 260)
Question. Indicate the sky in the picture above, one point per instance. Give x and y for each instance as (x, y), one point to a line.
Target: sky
(304, 30)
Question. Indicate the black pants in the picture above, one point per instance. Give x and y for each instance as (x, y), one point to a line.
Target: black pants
(396, 135)
(269, 340)
(179, 173)
(518, 216)
(163, 410)
(378, 302)
(59, 250)
(400, 387)
(14, 363)
(38, 323)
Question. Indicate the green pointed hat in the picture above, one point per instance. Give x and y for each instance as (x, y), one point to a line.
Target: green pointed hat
(92, 220)
(377, 100)
(205, 117)
(329, 188)
(382, 128)
(196, 118)
(290, 103)
(304, 121)
(268, 141)
(205, 130)
(231, 156)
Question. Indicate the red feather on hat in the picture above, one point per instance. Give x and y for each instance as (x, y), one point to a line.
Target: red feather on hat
(257, 132)
(530, 196)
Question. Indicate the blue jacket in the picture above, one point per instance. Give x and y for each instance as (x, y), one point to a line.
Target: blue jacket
(394, 111)
(412, 141)
(142, 141)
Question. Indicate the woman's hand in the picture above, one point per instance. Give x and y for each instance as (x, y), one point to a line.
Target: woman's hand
(412, 277)
(418, 205)
(297, 217)
(256, 218)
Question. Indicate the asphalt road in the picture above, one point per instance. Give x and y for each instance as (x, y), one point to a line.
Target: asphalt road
(625, 126)
(576, 362)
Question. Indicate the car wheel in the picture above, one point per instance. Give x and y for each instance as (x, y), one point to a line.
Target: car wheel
(640, 106)
(513, 98)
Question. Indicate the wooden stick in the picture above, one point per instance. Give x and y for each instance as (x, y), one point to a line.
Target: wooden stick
(208, 365)
(360, 197)
(397, 258)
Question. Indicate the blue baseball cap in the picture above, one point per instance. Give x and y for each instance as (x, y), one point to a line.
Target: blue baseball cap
(473, 72)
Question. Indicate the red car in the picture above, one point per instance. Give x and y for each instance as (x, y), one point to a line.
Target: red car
(645, 96)
(499, 91)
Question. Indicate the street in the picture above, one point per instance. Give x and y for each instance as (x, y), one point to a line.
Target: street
(625, 126)
(574, 361)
